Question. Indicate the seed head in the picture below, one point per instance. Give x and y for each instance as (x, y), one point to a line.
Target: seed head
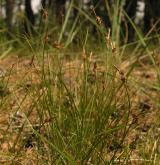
(113, 47)
(121, 73)
(108, 38)
(98, 20)
(57, 45)
(84, 55)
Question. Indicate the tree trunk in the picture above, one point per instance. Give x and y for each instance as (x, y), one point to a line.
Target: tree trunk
(60, 10)
(130, 8)
(9, 14)
(152, 14)
(30, 19)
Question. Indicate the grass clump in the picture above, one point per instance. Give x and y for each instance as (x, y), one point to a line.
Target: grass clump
(97, 107)
(82, 110)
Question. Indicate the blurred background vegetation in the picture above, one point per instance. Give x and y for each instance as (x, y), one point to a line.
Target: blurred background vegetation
(71, 19)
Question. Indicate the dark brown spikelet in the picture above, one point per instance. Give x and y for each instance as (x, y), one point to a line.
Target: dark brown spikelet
(57, 45)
